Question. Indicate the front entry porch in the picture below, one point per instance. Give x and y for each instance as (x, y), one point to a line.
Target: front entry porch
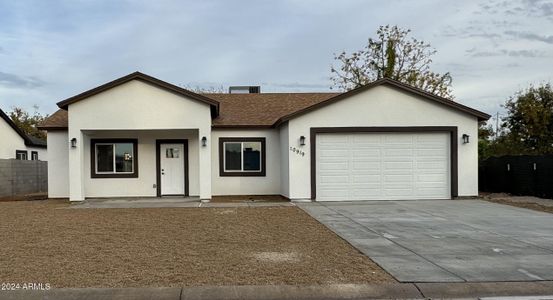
(131, 164)
(170, 201)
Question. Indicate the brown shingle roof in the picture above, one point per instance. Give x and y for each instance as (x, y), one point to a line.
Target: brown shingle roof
(237, 110)
(57, 120)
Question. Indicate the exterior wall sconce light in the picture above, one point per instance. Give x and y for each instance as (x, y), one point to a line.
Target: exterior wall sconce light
(73, 143)
(302, 140)
(204, 141)
(465, 138)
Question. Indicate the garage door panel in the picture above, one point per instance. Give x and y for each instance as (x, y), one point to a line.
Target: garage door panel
(335, 179)
(334, 166)
(382, 166)
(398, 165)
(399, 152)
(333, 194)
(366, 166)
(429, 163)
(399, 178)
(437, 177)
(369, 153)
(369, 140)
(398, 194)
(430, 193)
(434, 153)
(330, 153)
(332, 139)
(366, 179)
(365, 194)
(394, 138)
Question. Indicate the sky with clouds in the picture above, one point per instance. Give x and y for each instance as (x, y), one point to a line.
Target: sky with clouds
(51, 50)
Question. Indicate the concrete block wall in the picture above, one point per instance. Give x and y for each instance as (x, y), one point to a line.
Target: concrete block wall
(19, 177)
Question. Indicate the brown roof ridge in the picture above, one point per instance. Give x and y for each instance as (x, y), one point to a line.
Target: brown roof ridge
(482, 116)
(145, 78)
(272, 93)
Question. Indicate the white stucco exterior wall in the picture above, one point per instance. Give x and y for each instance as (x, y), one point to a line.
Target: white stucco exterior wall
(137, 106)
(144, 184)
(383, 106)
(42, 152)
(58, 164)
(284, 161)
(12, 141)
(249, 185)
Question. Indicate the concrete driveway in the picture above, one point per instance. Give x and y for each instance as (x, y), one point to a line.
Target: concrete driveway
(445, 240)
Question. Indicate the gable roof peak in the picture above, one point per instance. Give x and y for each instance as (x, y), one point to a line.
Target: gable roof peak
(145, 78)
(481, 116)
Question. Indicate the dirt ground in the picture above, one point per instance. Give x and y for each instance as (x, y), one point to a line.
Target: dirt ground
(246, 198)
(42, 242)
(529, 202)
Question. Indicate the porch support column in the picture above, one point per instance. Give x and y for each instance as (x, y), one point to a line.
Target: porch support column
(76, 156)
(205, 164)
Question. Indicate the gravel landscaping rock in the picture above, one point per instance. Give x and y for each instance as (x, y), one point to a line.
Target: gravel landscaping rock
(529, 202)
(174, 247)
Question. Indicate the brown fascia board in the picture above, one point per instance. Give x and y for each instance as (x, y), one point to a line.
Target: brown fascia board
(393, 83)
(52, 128)
(241, 126)
(147, 79)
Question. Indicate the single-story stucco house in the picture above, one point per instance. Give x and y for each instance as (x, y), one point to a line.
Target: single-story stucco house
(16, 144)
(138, 136)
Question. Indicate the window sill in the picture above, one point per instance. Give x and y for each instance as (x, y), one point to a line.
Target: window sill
(242, 174)
(133, 175)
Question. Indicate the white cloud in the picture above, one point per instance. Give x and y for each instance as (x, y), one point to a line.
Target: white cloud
(492, 48)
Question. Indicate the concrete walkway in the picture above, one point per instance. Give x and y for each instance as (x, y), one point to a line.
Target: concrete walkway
(318, 292)
(445, 241)
(167, 202)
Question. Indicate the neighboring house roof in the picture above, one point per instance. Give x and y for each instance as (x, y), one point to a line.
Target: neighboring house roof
(266, 109)
(29, 140)
(147, 79)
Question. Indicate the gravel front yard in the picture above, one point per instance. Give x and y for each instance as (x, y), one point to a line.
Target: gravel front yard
(44, 243)
(529, 202)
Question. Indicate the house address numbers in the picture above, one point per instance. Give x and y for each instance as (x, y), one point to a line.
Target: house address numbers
(297, 151)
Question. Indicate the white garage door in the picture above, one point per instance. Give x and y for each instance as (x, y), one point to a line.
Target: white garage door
(382, 166)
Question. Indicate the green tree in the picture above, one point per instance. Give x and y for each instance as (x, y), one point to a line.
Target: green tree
(392, 54)
(485, 133)
(529, 121)
(527, 127)
(28, 122)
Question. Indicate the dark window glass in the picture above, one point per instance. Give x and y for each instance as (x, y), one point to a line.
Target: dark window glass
(104, 158)
(21, 155)
(233, 159)
(34, 155)
(123, 157)
(252, 156)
